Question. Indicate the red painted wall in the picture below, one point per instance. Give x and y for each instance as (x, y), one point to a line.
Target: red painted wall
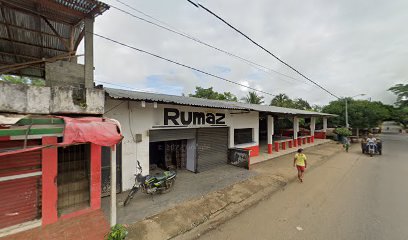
(254, 151)
(95, 176)
(49, 181)
(320, 135)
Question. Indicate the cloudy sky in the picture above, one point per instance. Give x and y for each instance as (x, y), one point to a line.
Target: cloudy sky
(348, 46)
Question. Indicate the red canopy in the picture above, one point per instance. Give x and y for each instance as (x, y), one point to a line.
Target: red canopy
(100, 131)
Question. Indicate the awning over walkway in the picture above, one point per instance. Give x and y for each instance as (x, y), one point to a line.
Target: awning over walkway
(100, 131)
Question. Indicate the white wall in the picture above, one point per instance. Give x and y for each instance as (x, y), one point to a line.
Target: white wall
(246, 120)
(142, 119)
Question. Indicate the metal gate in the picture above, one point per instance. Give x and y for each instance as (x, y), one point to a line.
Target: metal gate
(171, 134)
(106, 167)
(73, 178)
(20, 185)
(212, 148)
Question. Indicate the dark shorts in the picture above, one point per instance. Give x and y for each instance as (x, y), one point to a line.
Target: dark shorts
(300, 168)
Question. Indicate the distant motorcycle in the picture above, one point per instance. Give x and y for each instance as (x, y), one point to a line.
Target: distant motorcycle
(151, 184)
(371, 148)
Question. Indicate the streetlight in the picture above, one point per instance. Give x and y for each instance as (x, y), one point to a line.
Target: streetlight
(361, 94)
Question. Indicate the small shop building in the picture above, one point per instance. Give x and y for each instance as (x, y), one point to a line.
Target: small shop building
(166, 131)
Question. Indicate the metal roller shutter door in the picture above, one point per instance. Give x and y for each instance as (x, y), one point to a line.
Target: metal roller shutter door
(20, 199)
(212, 150)
(171, 134)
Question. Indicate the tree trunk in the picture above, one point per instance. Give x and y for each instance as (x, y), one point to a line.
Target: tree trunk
(357, 133)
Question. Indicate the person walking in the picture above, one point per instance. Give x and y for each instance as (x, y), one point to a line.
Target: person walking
(346, 143)
(300, 163)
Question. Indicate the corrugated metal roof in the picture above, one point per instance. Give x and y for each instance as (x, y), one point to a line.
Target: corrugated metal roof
(26, 35)
(201, 102)
(172, 99)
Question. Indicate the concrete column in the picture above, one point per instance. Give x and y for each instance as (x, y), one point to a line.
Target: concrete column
(270, 133)
(113, 187)
(312, 125)
(88, 51)
(295, 131)
(324, 124)
(231, 137)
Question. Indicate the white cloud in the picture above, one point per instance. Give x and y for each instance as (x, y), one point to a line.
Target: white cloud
(348, 46)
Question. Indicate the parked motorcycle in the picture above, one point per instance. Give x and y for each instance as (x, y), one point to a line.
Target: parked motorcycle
(151, 184)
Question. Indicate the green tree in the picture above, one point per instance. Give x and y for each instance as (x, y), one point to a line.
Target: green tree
(361, 113)
(317, 108)
(22, 80)
(401, 90)
(301, 104)
(253, 98)
(209, 93)
(282, 100)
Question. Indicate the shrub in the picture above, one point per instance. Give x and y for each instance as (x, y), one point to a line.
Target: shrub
(117, 232)
(343, 132)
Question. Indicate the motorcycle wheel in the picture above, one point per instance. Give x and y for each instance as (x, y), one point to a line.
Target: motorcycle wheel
(169, 186)
(129, 197)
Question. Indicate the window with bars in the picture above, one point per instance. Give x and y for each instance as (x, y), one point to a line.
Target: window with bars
(243, 135)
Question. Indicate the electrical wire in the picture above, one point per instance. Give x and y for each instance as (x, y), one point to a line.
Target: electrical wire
(180, 64)
(198, 5)
(174, 30)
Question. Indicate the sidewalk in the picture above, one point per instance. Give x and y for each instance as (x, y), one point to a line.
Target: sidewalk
(91, 226)
(212, 209)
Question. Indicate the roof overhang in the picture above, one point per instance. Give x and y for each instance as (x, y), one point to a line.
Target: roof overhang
(33, 32)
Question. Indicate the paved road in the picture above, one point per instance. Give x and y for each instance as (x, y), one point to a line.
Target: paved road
(352, 196)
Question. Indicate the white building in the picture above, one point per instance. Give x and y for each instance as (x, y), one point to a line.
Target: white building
(191, 133)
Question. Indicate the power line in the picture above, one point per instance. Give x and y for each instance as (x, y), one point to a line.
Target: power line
(174, 30)
(178, 63)
(198, 5)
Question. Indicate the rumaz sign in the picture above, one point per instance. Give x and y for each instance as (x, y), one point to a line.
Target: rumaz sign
(196, 118)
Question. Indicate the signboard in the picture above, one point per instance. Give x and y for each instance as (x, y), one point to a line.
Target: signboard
(175, 117)
(238, 157)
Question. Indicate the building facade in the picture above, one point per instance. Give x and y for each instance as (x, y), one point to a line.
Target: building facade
(189, 133)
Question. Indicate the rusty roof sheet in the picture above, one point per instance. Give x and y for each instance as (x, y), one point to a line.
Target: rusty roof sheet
(31, 30)
(201, 102)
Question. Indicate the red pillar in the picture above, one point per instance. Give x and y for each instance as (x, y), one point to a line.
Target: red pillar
(290, 143)
(270, 148)
(308, 139)
(95, 176)
(312, 139)
(295, 142)
(283, 145)
(276, 146)
(49, 181)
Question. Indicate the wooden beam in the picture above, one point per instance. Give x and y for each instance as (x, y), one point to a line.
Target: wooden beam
(80, 37)
(31, 44)
(31, 12)
(29, 29)
(14, 67)
(19, 55)
(41, 121)
(8, 31)
(57, 7)
(56, 33)
(31, 66)
(32, 131)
